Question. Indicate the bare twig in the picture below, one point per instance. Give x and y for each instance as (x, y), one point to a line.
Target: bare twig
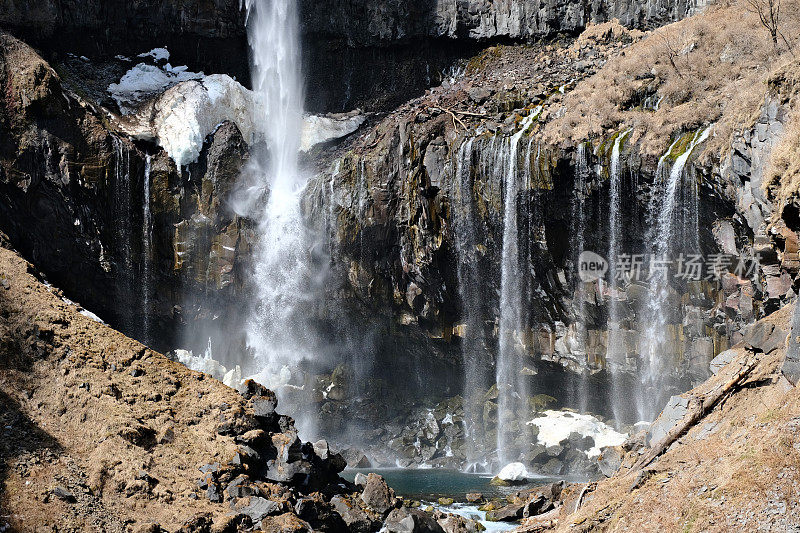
(671, 51)
(454, 115)
(769, 13)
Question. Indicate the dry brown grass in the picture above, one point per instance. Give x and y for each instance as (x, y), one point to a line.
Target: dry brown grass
(711, 68)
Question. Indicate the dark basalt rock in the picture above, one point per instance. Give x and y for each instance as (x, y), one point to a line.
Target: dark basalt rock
(405, 520)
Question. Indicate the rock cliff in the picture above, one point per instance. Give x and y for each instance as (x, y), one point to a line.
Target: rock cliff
(361, 53)
(414, 212)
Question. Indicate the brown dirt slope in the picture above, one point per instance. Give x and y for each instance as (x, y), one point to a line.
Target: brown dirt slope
(737, 469)
(100, 433)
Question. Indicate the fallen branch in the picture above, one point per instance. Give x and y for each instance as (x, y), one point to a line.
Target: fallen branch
(454, 115)
(698, 408)
(587, 488)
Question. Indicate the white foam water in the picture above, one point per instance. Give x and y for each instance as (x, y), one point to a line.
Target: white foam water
(279, 331)
(656, 349)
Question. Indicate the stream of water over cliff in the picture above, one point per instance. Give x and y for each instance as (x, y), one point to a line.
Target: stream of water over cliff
(279, 332)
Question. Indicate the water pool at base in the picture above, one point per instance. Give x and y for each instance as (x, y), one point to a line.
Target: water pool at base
(434, 483)
(428, 485)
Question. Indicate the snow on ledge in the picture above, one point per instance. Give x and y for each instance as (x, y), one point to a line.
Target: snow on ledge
(180, 118)
(318, 129)
(556, 426)
(144, 81)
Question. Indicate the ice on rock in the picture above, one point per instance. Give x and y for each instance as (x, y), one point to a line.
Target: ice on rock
(158, 54)
(186, 112)
(556, 426)
(514, 472)
(144, 81)
(208, 365)
(318, 129)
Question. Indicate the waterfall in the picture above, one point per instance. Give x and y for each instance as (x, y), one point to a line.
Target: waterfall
(666, 221)
(470, 282)
(122, 231)
(147, 244)
(279, 330)
(511, 386)
(579, 245)
(615, 348)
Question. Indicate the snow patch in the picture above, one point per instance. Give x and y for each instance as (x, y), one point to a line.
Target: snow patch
(144, 81)
(556, 426)
(318, 129)
(158, 54)
(188, 106)
(514, 472)
(208, 365)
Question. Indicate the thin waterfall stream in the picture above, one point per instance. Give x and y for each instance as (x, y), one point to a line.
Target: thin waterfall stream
(511, 385)
(616, 351)
(666, 222)
(147, 245)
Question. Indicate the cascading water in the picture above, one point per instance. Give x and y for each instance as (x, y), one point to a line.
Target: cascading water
(279, 331)
(511, 386)
(147, 244)
(579, 245)
(615, 349)
(666, 222)
(473, 338)
(122, 229)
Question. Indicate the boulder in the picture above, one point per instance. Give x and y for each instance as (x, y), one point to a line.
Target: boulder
(285, 523)
(580, 442)
(355, 458)
(263, 400)
(319, 514)
(513, 474)
(452, 523)
(356, 518)
(722, 360)
(257, 508)
(610, 460)
(377, 495)
(675, 410)
(405, 520)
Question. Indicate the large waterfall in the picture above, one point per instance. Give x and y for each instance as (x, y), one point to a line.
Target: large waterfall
(279, 331)
(616, 350)
(672, 213)
(511, 383)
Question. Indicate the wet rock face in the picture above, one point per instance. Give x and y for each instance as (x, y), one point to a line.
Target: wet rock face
(73, 202)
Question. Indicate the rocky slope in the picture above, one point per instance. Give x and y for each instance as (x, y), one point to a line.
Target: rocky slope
(733, 468)
(101, 433)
